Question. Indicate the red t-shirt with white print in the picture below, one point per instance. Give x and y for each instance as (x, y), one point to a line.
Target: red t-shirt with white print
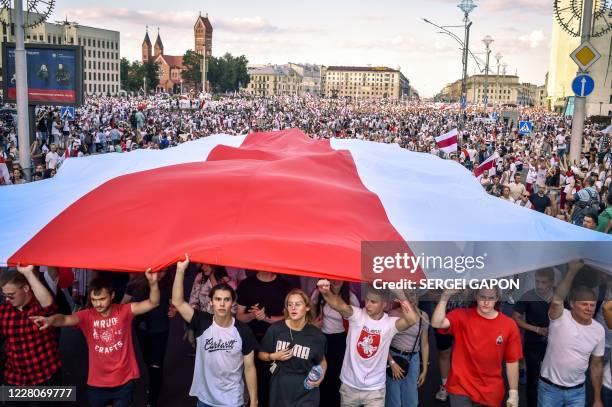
(112, 361)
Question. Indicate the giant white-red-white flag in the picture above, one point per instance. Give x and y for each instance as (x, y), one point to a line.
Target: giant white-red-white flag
(274, 201)
(447, 142)
(487, 164)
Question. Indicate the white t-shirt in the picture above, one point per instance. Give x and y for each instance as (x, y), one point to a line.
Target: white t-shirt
(332, 320)
(219, 363)
(52, 158)
(367, 348)
(570, 346)
(560, 141)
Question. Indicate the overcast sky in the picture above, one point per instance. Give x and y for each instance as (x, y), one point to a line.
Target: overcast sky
(337, 32)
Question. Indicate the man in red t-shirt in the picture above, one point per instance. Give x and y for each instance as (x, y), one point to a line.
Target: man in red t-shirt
(107, 328)
(484, 338)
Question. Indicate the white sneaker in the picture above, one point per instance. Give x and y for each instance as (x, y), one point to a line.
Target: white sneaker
(442, 395)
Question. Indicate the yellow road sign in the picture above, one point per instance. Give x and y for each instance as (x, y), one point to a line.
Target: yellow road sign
(585, 55)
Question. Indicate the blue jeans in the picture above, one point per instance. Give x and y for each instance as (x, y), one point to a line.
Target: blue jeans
(404, 392)
(551, 396)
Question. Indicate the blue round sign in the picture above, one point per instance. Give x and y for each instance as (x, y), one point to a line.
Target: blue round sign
(583, 85)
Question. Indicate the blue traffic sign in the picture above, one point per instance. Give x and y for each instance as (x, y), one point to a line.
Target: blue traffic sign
(67, 111)
(463, 102)
(525, 127)
(583, 85)
(485, 99)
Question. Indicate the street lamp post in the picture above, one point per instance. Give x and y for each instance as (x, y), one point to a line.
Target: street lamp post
(204, 70)
(467, 6)
(487, 41)
(498, 57)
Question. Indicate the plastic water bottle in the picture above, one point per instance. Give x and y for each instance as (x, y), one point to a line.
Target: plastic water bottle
(314, 375)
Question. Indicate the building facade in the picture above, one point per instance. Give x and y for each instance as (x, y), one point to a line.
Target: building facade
(171, 67)
(273, 80)
(365, 82)
(501, 89)
(562, 71)
(101, 49)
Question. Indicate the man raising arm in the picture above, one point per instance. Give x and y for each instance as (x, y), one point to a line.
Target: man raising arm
(567, 356)
(480, 332)
(218, 332)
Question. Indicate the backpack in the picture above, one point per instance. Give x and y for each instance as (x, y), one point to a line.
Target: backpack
(582, 208)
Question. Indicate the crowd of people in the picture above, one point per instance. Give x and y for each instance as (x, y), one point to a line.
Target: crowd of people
(530, 170)
(263, 339)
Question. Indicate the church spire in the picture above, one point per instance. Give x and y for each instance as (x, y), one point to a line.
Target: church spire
(159, 46)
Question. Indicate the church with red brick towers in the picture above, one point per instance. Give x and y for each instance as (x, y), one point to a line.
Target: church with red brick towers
(171, 66)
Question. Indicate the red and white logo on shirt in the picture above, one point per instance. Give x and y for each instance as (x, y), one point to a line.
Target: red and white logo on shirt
(368, 342)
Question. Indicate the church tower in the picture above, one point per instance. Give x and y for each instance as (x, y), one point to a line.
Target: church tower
(202, 32)
(159, 47)
(146, 47)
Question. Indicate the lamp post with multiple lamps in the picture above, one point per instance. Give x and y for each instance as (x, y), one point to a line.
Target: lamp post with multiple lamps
(487, 41)
(467, 6)
(498, 57)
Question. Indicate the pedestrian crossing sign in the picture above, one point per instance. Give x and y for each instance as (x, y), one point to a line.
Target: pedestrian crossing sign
(525, 127)
(67, 112)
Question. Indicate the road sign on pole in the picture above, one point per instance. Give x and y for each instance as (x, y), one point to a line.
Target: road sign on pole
(485, 99)
(585, 55)
(583, 85)
(525, 127)
(67, 112)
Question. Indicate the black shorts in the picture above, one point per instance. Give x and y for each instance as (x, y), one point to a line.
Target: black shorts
(443, 341)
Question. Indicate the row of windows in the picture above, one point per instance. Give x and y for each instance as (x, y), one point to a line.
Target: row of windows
(102, 54)
(102, 76)
(99, 43)
(331, 75)
(383, 94)
(57, 39)
(112, 66)
(94, 87)
(380, 87)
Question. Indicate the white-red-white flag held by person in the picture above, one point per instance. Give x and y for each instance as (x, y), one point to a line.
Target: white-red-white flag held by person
(487, 164)
(447, 142)
(273, 201)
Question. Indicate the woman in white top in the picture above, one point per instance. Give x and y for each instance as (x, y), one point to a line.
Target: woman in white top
(334, 328)
(409, 350)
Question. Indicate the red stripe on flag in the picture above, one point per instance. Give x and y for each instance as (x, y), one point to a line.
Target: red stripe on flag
(486, 165)
(447, 142)
(281, 202)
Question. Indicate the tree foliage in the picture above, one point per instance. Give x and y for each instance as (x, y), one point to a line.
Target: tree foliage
(225, 74)
(132, 75)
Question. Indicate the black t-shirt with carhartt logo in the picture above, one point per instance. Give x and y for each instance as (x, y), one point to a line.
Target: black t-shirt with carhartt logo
(309, 348)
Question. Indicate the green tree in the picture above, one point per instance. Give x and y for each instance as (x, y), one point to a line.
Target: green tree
(150, 71)
(225, 74)
(134, 77)
(193, 64)
(228, 73)
(124, 70)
